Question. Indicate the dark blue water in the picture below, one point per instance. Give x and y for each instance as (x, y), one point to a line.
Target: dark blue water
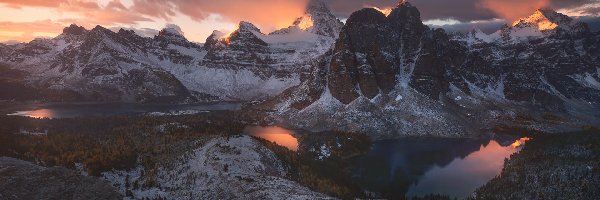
(416, 167)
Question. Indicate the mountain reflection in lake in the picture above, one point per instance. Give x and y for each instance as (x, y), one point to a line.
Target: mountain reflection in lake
(278, 135)
(417, 167)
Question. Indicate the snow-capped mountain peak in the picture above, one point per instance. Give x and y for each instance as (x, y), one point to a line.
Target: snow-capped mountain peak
(247, 26)
(542, 23)
(317, 19)
(170, 32)
(545, 19)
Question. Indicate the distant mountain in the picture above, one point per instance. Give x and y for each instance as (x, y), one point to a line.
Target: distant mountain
(318, 19)
(102, 65)
(391, 75)
(542, 23)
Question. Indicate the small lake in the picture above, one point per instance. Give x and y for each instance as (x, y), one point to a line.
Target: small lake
(278, 135)
(415, 167)
(57, 111)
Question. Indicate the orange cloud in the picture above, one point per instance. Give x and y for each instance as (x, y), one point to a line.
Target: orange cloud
(34, 3)
(111, 14)
(29, 30)
(513, 10)
(267, 14)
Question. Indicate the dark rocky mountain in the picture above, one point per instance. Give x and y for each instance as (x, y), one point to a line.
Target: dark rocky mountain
(392, 75)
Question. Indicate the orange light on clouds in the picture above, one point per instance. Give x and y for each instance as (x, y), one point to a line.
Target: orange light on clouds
(520, 142)
(198, 18)
(513, 9)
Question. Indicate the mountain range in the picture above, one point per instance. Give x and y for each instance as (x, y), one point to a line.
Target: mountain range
(385, 74)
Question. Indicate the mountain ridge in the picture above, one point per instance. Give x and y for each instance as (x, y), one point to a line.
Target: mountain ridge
(422, 81)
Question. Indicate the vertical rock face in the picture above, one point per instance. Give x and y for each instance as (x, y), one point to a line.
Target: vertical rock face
(375, 54)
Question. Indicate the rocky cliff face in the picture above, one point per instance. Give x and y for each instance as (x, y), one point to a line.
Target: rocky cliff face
(391, 75)
(378, 54)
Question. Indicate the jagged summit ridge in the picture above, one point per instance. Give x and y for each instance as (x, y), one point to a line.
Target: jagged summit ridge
(317, 19)
(74, 29)
(546, 19)
(542, 23)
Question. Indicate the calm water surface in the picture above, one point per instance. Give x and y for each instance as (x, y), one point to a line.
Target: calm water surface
(114, 109)
(416, 167)
(280, 136)
(419, 166)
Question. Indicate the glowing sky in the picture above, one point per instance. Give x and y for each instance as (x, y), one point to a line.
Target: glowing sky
(23, 20)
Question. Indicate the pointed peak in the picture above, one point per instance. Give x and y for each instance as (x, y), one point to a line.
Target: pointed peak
(100, 28)
(171, 30)
(404, 3)
(545, 19)
(243, 25)
(123, 31)
(317, 6)
(217, 33)
(73, 29)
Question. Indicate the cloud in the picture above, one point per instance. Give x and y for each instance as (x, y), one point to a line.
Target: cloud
(266, 14)
(92, 13)
(27, 31)
(514, 9)
(34, 3)
(155, 8)
(487, 26)
(462, 10)
(272, 14)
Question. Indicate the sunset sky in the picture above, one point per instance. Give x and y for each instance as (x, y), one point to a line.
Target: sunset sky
(23, 20)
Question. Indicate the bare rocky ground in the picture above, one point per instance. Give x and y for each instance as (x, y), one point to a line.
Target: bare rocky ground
(24, 180)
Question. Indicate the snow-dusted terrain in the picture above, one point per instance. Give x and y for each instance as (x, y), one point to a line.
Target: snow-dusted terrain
(102, 65)
(237, 167)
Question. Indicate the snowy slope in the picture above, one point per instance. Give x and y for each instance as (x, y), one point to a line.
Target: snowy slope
(102, 65)
(224, 168)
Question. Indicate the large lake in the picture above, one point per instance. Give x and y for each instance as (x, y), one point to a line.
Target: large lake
(54, 111)
(420, 166)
